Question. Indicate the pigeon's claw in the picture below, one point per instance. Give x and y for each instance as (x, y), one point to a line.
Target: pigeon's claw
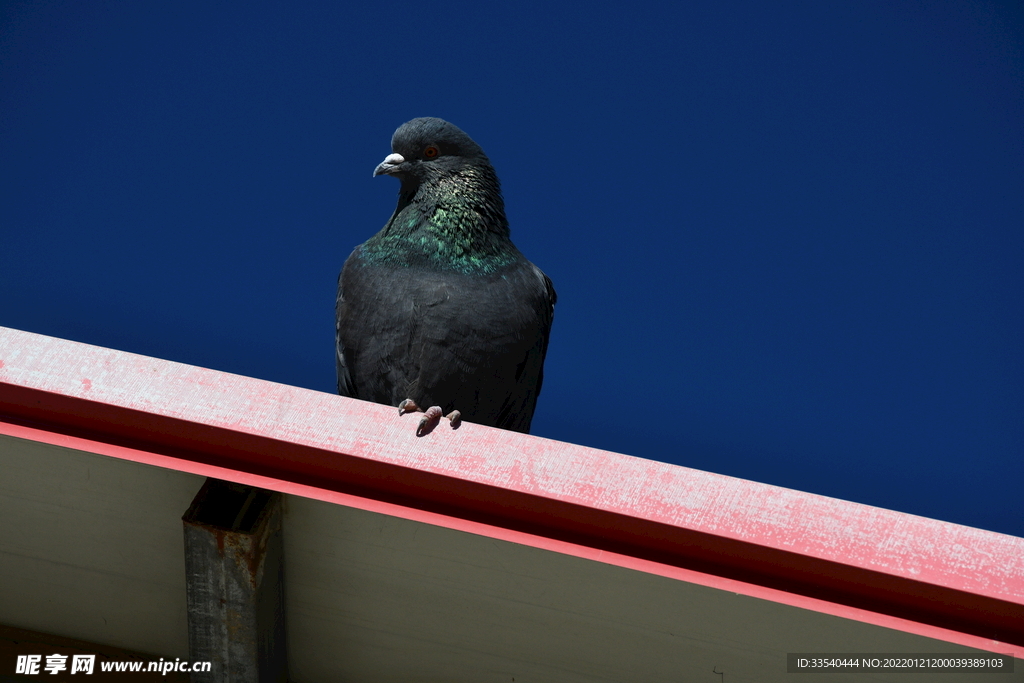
(430, 418)
(408, 406)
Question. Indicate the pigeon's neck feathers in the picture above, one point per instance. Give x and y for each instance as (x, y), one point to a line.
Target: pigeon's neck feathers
(455, 221)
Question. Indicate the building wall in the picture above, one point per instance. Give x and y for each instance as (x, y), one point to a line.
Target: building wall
(91, 547)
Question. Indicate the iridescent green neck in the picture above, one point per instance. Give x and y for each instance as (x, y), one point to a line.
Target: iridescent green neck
(456, 222)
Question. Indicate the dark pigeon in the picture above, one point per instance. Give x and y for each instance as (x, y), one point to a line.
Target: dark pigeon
(439, 309)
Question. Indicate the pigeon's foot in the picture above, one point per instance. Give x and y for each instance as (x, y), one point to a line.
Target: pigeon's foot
(431, 416)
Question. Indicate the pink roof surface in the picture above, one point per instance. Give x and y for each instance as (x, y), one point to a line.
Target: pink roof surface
(924, 576)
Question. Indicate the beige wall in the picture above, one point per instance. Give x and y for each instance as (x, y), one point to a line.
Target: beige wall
(91, 547)
(377, 598)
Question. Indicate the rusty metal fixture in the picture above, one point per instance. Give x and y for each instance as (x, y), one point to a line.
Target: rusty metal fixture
(234, 578)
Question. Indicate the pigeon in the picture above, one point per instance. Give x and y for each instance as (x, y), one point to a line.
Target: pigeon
(439, 312)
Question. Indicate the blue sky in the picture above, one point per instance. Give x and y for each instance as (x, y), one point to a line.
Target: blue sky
(786, 237)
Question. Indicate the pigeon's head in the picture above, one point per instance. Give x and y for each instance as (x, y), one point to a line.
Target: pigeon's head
(429, 147)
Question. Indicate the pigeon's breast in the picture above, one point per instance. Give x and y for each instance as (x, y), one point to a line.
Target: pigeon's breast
(445, 302)
(414, 331)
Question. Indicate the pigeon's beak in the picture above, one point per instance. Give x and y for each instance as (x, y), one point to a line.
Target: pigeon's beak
(389, 165)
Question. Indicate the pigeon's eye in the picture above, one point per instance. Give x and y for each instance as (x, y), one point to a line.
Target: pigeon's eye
(431, 152)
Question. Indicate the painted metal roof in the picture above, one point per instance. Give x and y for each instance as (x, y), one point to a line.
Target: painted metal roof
(945, 581)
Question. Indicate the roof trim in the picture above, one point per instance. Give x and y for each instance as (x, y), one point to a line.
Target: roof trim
(942, 580)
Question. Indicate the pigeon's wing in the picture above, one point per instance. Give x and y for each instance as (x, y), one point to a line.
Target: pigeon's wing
(546, 314)
(345, 384)
(549, 310)
(518, 373)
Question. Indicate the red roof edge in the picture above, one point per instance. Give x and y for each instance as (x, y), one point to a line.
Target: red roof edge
(919, 575)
